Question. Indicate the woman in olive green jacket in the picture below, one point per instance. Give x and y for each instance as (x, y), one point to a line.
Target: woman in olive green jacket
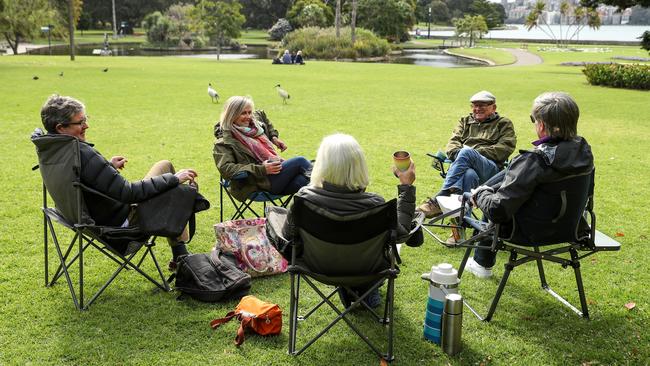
(245, 144)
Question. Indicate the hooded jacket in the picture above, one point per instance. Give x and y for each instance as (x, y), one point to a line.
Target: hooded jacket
(520, 195)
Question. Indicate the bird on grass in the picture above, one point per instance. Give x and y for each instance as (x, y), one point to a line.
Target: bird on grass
(105, 70)
(61, 74)
(35, 77)
(213, 93)
(282, 93)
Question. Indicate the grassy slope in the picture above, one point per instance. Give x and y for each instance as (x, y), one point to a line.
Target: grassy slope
(154, 108)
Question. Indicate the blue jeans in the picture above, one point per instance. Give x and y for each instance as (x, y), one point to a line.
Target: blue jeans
(292, 177)
(469, 170)
(486, 257)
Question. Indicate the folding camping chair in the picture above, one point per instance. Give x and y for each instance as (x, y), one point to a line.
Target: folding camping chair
(573, 237)
(241, 208)
(343, 251)
(60, 164)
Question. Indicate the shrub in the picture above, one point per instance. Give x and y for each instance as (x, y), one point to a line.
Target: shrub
(321, 43)
(280, 29)
(619, 76)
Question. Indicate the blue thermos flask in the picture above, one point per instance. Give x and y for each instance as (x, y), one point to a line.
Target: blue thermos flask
(443, 280)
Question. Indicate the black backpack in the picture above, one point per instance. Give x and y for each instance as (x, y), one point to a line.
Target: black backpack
(211, 277)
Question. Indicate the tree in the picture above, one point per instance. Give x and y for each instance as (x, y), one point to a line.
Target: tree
(391, 19)
(489, 11)
(220, 20)
(310, 13)
(262, 14)
(645, 41)
(575, 18)
(472, 27)
(279, 29)
(353, 22)
(439, 12)
(22, 20)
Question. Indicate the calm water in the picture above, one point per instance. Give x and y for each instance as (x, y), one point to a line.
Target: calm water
(628, 33)
(423, 57)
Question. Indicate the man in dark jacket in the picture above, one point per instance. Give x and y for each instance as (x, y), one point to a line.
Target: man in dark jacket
(559, 154)
(479, 146)
(66, 115)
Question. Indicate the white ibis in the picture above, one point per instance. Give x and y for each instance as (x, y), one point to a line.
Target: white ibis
(213, 93)
(282, 93)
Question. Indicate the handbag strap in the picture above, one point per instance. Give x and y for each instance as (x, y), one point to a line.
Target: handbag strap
(218, 322)
(245, 323)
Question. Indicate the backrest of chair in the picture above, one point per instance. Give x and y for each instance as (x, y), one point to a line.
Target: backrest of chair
(60, 165)
(345, 245)
(554, 213)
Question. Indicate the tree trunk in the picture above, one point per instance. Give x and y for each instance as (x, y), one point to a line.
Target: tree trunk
(71, 28)
(14, 45)
(337, 19)
(353, 22)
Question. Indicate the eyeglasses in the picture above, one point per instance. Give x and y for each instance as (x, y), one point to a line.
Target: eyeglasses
(532, 119)
(83, 121)
(480, 105)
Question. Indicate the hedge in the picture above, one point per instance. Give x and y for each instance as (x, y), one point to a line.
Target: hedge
(619, 76)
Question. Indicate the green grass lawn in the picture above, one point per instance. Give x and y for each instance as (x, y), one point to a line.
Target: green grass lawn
(497, 56)
(154, 108)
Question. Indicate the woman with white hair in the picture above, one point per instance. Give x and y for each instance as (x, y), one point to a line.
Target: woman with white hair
(338, 183)
(245, 143)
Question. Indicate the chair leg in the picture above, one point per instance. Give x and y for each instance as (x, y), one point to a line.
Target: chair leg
(581, 290)
(508, 268)
(390, 297)
(540, 269)
(293, 313)
(64, 266)
(81, 272)
(461, 267)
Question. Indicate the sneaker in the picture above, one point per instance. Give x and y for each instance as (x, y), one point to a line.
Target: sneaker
(477, 269)
(430, 208)
(452, 239)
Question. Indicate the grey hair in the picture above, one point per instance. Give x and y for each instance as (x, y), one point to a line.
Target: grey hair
(234, 107)
(59, 109)
(340, 161)
(559, 114)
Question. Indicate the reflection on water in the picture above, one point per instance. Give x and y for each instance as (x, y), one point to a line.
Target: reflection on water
(435, 58)
(422, 57)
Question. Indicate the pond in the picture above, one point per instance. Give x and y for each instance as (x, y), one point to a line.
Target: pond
(422, 57)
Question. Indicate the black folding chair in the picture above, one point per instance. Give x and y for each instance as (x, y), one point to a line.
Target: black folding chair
(572, 237)
(60, 165)
(344, 251)
(247, 206)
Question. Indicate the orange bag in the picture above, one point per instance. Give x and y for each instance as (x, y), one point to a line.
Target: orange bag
(262, 317)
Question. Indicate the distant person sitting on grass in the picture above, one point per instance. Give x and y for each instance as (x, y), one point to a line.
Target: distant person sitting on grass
(478, 148)
(67, 116)
(299, 60)
(517, 193)
(245, 143)
(286, 58)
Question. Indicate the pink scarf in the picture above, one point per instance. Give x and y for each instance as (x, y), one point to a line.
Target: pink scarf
(254, 139)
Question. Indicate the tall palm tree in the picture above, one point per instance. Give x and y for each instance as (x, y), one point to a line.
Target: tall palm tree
(337, 19)
(353, 21)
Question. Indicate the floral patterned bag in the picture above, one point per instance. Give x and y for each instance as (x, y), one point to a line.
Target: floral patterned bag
(246, 239)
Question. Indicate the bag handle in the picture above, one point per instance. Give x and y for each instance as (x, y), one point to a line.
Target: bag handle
(216, 323)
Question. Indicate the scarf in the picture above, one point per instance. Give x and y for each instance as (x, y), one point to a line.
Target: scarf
(254, 139)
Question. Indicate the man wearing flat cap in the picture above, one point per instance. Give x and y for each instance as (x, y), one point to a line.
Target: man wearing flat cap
(478, 148)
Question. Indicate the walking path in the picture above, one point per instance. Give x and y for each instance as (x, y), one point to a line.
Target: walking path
(523, 57)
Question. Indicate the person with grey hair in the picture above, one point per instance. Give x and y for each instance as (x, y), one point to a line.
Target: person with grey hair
(558, 153)
(245, 142)
(66, 115)
(338, 184)
(478, 148)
